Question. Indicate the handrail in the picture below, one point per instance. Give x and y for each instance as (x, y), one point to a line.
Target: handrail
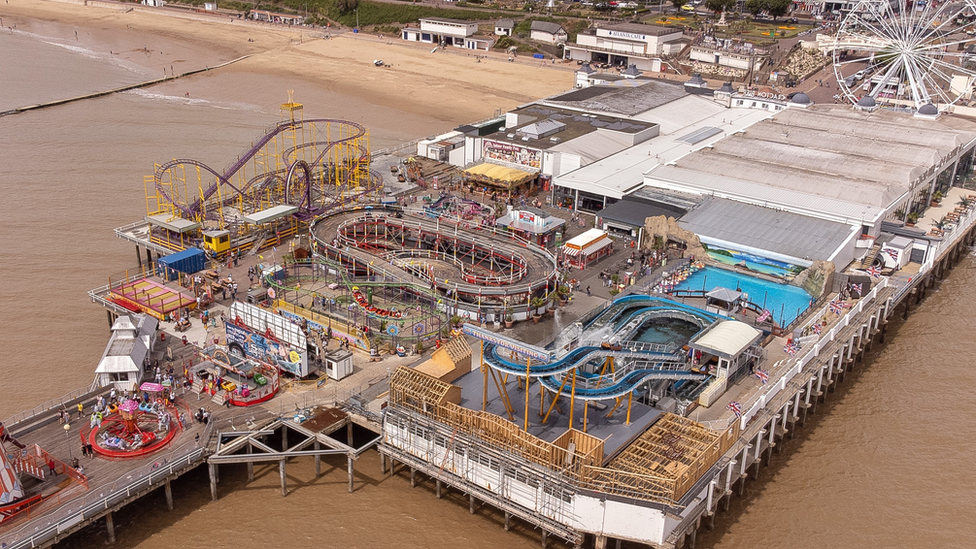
(45, 407)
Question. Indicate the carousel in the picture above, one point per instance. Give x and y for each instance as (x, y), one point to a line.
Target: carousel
(135, 428)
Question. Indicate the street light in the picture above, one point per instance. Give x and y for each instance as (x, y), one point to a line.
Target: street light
(67, 427)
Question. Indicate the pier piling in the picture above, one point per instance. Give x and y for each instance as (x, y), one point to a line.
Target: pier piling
(110, 528)
(318, 461)
(213, 481)
(284, 481)
(471, 503)
(508, 521)
(351, 487)
(168, 490)
(438, 484)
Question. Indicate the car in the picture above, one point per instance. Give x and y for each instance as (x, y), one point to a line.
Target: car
(687, 8)
(860, 74)
(228, 385)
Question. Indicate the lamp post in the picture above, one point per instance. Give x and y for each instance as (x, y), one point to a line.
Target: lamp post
(357, 17)
(67, 427)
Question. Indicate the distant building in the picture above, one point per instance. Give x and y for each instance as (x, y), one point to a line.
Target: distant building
(551, 33)
(127, 352)
(626, 44)
(274, 17)
(448, 32)
(504, 27)
(153, 3)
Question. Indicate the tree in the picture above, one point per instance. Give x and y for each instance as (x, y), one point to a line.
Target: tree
(346, 6)
(755, 7)
(778, 8)
(720, 5)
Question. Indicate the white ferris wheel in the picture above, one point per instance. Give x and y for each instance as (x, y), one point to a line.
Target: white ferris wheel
(908, 53)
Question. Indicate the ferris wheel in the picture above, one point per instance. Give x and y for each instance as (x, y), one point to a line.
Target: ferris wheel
(908, 53)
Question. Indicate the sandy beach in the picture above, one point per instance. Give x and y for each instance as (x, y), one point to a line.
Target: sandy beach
(448, 86)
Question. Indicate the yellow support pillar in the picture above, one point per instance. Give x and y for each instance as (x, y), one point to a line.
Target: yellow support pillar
(630, 398)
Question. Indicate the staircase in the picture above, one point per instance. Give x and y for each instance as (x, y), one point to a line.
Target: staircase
(871, 256)
(259, 243)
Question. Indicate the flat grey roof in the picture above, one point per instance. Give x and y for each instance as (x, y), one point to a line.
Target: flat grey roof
(175, 224)
(576, 125)
(627, 101)
(779, 231)
(633, 212)
(447, 20)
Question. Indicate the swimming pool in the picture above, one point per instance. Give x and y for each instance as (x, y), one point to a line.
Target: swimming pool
(784, 301)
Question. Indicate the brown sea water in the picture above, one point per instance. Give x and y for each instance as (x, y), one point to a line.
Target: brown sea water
(887, 463)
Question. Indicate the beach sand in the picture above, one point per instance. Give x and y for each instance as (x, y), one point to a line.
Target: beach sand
(433, 91)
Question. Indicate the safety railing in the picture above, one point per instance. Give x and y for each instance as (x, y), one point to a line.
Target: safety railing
(45, 408)
(756, 403)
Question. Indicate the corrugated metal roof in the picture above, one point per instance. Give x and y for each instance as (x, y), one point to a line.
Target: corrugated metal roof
(635, 212)
(546, 26)
(693, 181)
(778, 231)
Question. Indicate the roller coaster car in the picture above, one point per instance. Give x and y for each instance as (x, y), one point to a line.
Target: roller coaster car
(610, 346)
(228, 386)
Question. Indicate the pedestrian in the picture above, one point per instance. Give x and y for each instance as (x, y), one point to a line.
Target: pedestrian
(587, 290)
(51, 465)
(81, 410)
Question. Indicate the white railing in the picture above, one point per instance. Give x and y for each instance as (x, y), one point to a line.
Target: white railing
(46, 408)
(799, 362)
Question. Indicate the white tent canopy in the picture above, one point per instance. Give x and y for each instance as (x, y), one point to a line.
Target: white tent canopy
(726, 339)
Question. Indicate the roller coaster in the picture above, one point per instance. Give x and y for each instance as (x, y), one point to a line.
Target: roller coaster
(311, 165)
(478, 267)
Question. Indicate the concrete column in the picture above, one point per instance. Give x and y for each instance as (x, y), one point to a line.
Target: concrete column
(600, 542)
(149, 256)
(138, 255)
(110, 528)
(168, 490)
(351, 477)
(618, 543)
(413, 477)
(284, 438)
(471, 503)
(318, 462)
(284, 481)
(213, 482)
(545, 539)
(382, 463)
(349, 433)
(692, 538)
(392, 466)
(508, 521)
(438, 485)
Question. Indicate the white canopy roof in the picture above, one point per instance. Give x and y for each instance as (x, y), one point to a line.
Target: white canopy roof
(270, 214)
(726, 338)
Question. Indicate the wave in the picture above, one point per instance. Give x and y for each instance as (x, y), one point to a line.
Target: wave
(88, 53)
(223, 105)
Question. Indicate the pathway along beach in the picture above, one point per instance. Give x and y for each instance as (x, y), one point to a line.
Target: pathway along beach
(888, 465)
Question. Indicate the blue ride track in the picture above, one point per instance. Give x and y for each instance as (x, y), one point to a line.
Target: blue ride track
(667, 363)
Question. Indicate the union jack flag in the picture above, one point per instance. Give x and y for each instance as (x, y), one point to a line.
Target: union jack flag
(817, 328)
(736, 408)
(892, 253)
(788, 349)
(763, 375)
(856, 288)
(836, 307)
(874, 271)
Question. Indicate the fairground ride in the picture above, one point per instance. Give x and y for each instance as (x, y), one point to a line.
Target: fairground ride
(913, 55)
(298, 169)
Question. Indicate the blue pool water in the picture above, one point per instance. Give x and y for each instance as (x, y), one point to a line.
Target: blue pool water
(667, 331)
(784, 301)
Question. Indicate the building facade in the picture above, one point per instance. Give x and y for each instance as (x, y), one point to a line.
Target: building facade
(626, 44)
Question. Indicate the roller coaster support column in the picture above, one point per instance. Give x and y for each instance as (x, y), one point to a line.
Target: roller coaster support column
(542, 398)
(555, 399)
(528, 370)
